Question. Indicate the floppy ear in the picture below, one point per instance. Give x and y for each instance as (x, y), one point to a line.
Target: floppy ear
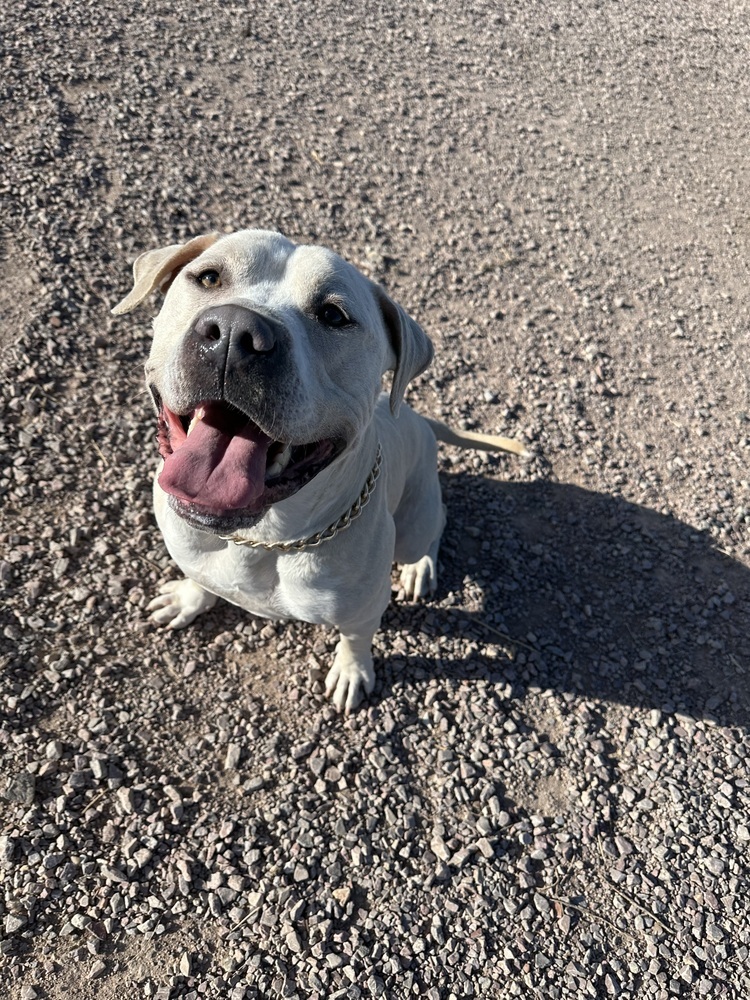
(158, 269)
(411, 345)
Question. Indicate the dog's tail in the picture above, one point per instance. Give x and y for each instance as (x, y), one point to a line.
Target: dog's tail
(470, 439)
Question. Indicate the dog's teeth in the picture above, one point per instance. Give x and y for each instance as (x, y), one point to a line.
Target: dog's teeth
(198, 415)
(279, 463)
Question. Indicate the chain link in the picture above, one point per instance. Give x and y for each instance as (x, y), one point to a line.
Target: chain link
(327, 533)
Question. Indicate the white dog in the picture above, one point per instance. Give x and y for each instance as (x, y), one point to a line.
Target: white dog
(288, 484)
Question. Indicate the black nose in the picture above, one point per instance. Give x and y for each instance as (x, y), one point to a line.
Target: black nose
(221, 328)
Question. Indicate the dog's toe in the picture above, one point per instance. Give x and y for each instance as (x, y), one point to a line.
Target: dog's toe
(419, 579)
(179, 603)
(347, 681)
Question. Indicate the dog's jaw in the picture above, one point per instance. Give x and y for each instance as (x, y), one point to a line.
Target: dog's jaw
(222, 471)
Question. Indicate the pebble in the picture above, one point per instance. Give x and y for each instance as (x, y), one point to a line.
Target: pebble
(439, 848)
(20, 788)
(293, 941)
(714, 865)
(98, 968)
(486, 848)
(14, 923)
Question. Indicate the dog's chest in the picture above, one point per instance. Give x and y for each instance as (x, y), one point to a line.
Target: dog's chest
(267, 584)
(250, 579)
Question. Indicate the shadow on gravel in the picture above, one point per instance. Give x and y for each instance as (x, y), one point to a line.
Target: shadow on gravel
(617, 601)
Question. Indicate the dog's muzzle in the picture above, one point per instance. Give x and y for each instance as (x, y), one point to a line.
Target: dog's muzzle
(223, 464)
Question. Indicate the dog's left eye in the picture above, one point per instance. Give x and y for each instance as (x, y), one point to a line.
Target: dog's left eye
(330, 315)
(209, 279)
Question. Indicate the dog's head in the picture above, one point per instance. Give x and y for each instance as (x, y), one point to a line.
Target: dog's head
(266, 365)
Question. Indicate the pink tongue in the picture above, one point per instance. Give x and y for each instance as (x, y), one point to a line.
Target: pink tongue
(216, 468)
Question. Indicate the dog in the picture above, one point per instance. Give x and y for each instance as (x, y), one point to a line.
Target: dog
(289, 482)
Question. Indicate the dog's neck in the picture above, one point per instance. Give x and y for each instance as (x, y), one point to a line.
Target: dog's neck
(324, 502)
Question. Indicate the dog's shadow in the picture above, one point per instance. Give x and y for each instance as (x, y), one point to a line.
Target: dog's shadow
(604, 598)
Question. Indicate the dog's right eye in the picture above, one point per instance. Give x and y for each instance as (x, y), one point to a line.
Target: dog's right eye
(209, 279)
(330, 315)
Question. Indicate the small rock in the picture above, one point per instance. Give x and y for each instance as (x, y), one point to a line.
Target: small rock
(541, 903)
(623, 846)
(125, 799)
(293, 941)
(439, 848)
(302, 750)
(612, 985)
(53, 750)
(7, 848)
(20, 788)
(485, 847)
(461, 856)
(714, 865)
(97, 969)
(14, 923)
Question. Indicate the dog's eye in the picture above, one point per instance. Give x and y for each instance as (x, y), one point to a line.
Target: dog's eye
(330, 315)
(209, 279)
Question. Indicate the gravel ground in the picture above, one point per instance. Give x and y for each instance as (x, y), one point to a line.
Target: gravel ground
(547, 795)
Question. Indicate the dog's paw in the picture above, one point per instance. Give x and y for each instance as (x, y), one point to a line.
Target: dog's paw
(349, 678)
(419, 579)
(179, 603)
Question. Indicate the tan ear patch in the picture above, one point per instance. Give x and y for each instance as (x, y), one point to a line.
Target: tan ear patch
(158, 268)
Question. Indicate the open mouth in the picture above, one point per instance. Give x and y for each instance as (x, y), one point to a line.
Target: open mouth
(222, 471)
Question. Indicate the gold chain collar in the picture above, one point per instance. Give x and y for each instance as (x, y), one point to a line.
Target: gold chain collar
(327, 533)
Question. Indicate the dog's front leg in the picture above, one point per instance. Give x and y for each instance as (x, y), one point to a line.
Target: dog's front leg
(351, 674)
